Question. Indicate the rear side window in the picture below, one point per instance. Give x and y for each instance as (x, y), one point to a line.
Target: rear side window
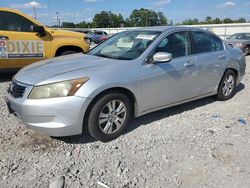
(13, 22)
(178, 44)
(204, 42)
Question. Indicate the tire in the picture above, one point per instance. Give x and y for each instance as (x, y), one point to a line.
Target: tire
(105, 128)
(227, 87)
(246, 50)
(68, 52)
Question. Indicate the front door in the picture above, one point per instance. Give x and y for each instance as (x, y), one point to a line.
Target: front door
(170, 82)
(19, 46)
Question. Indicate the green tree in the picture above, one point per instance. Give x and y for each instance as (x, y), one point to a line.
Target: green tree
(116, 19)
(228, 20)
(68, 25)
(208, 19)
(195, 21)
(145, 17)
(101, 19)
(241, 20)
(217, 21)
(107, 19)
(188, 22)
(162, 18)
(82, 24)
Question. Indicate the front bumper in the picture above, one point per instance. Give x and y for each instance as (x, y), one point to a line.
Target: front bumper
(54, 117)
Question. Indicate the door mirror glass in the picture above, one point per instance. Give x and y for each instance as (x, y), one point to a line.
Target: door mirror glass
(38, 29)
(162, 57)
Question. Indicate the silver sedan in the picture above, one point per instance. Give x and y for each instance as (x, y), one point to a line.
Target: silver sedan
(131, 74)
(240, 40)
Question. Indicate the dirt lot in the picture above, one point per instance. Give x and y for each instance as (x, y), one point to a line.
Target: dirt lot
(205, 143)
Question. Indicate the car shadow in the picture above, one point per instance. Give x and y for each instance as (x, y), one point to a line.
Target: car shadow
(6, 76)
(150, 118)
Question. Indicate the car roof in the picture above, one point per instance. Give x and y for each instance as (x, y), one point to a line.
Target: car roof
(167, 28)
(241, 33)
(22, 14)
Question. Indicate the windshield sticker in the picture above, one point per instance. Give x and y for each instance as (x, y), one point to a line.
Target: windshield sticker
(145, 37)
(125, 42)
(18, 49)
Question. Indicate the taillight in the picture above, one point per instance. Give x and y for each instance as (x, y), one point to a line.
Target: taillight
(104, 38)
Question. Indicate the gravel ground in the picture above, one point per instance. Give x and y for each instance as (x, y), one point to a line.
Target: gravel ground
(205, 143)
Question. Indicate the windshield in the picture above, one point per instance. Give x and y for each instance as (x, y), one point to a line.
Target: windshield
(125, 45)
(241, 36)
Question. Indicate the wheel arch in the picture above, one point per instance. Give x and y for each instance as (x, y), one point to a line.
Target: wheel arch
(229, 68)
(122, 90)
(68, 47)
(234, 70)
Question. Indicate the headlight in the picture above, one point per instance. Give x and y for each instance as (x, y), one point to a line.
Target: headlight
(238, 44)
(87, 40)
(59, 89)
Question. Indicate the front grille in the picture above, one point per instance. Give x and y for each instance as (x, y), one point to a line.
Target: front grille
(16, 90)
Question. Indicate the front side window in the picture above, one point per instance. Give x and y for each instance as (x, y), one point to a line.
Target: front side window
(204, 42)
(178, 44)
(125, 45)
(13, 22)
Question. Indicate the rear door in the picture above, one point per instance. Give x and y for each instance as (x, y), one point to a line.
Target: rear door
(211, 60)
(19, 46)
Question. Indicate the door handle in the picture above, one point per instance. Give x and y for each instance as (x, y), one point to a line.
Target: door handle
(189, 64)
(4, 37)
(222, 56)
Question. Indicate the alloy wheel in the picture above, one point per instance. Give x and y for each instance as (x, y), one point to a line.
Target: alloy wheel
(112, 116)
(228, 85)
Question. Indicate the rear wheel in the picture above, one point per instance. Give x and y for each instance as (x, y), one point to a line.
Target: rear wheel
(227, 86)
(109, 116)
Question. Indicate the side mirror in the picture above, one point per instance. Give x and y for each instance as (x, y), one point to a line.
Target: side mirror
(38, 29)
(162, 57)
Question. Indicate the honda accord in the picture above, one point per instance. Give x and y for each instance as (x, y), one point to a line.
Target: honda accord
(131, 74)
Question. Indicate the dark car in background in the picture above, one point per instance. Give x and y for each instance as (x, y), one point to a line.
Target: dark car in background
(240, 40)
(98, 36)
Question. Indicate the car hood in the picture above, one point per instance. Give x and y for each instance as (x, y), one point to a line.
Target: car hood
(41, 71)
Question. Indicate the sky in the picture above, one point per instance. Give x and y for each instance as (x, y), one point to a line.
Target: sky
(84, 10)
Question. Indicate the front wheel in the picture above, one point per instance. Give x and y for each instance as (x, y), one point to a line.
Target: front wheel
(109, 116)
(227, 86)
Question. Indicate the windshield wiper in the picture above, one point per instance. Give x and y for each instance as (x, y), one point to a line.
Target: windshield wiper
(111, 57)
(102, 55)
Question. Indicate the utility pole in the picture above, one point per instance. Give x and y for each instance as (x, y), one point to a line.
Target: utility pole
(57, 19)
(34, 10)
